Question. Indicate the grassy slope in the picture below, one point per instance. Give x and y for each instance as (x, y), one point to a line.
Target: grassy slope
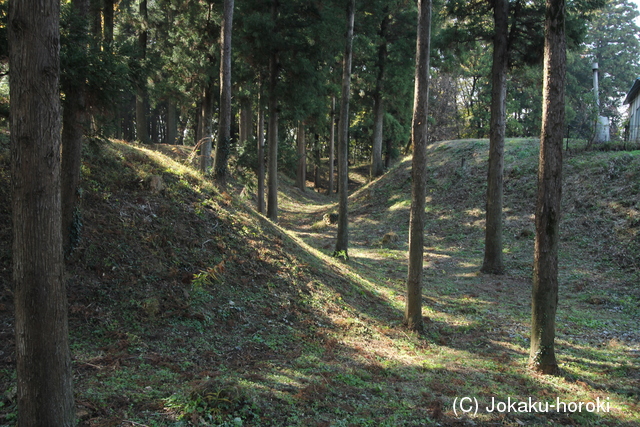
(187, 308)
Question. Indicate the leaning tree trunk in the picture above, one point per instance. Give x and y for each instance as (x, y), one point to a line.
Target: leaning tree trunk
(413, 309)
(223, 146)
(44, 380)
(493, 260)
(342, 241)
(545, 261)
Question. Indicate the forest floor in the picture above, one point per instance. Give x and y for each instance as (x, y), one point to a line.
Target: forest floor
(187, 308)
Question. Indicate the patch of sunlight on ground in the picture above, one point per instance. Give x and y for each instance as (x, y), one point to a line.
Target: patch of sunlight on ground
(400, 206)
(475, 212)
(363, 254)
(169, 163)
(365, 220)
(436, 254)
(524, 217)
(465, 264)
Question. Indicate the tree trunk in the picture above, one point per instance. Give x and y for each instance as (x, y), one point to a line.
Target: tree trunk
(493, 260)
(387, 153)
(545, 262)
(246, 124)
(96, 18)
(342, 241)
(260, 142)
(332, 137)
(142, 126)
(223, 146)
(153, 126)
(206, 116)
(301, 175)
(44, 380)
(377, 165)
(74, 119)
(272, 136)
(317, 159)
(172, 122)
(108, 23)
(419, 136)
(198, 122)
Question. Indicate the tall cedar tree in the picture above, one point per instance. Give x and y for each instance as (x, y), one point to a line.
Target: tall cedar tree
(493, 260)
(545, 262)
(522, 38)
(301, 175)
(419, 136)
(377, 165)
(142, 97)
(205, 121)
(74, 117)
(272, 131)
(342, 241)
(45, 394)
(260, 148)
(223, 146)
(332, 151)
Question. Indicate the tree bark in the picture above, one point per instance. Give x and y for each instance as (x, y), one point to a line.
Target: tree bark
(419, 136)
(316, 161)
(108, 23)
(342, 241)
(245, 121)
(223, 146)
(260, 142)
(96, 18)
(387, 153)
(142, 125)
(206, 127)
(377, 165)
(545, 263)
(272, 136)
(172, 122)
(301, 175)
(493, 259)
(332, 138)
(44, 380)
(74, 118)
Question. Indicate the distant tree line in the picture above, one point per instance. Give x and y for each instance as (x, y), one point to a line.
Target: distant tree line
(151, 70)
(160, 72)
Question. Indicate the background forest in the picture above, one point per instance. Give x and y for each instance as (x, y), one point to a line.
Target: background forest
(187, 306)
(152, 69)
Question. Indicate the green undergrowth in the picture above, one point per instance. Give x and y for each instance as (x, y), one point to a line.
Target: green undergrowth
(187, 308)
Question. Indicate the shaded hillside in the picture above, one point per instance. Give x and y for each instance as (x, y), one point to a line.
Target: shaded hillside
(189, 309)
